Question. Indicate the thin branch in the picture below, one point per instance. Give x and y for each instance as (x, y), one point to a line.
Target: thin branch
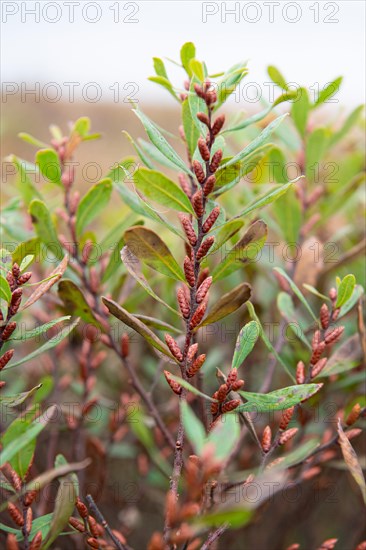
(214, 536)
(100, 518)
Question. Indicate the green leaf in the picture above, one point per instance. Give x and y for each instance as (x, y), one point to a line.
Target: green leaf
(315, 148)
(165, 83)
(258, 141)
(21, 459)
(245, 250)
(44, 287)
(350, 121)
(44, 227)
(133, 266)
(226, 231)
(187, 52)
(133, 322)
(162, 190)
(32, 140)
(53, 342)
(345, 290)
(229, 82)
(159, 67)
(297, 292)
(224, 436)
(197, 105)
(277, 400)
(32, 247)
(131, 161)
(155, 154)
(191, 131)
(350, 458)
(23, 335)
(75, 303)
(149, 248)
(191, 388)
(267, 342)
(315, 292)
(352, 301)
(12, 401)
(24, 183)
(157, 323)
(5, 292)
(287, 309)
(193, 428)
(346, 357)
(300, 111)
(235, 517)
(267, 198)
(160, 142)
(92, 204)
(197, 69)
(64, 507)
(227, 304)
(328, 91)
(24, 435)
(49, 165)
(245, 343)
(276, 76)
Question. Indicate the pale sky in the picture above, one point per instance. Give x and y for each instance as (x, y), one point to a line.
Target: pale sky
(111, 44)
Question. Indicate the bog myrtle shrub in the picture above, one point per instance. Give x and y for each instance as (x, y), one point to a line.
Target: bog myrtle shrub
(209, 339)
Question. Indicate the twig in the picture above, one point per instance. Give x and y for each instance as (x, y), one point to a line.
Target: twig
(214, 536)
(99, 517)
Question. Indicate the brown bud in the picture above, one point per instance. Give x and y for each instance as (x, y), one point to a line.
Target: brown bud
(230, 405)
(174, 348)
(204, 150)
(93, 526)
(186, 187)
(316, 339)
(266, 439)
(23, 279)
(214, 409)
(203, 289)
(204, 248)
(197, 203)
(198, 315)
(300, 372)
(318, 367)
(237, 385)
(196, 365)
(28, 520)
(211, 219)
(177, 388)
(11, 542)
(29, 497)
(222, 392)
(92, 542)
(15, 270)
(81, 508)
(188, 229)
(317, 353)
(336, 313)
(37, 541)
(203, 275)
(328, 544)
(353, 415)
(287, 435)
(209, 185)
(353, 433)
(16, 298)
(232, 377)
(324, 316)
(183, 303)
(189, 271)
(199, 91)
(218, 124)
(286, 417)
(215, 162)
(211, 97)
(125, 345)
(361, 546)
(76, 524)
(4, 359)
(11, 280)
(334, 335)
(192, 352)
(198, 170)
(202, 117)
(333, 294)
(156, 542)
(171, 509)
(15, 514)
(8, 330)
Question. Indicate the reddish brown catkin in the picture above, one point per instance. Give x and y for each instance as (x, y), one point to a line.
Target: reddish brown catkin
(334, 336)
(174, 348)
(230, 405)
(266, 439)
(192, 352)
(196, 365)
(198, 170)
(353, 415)
(211, 219)
(76, 524)
(188, 229)
(203, 290)
(177, 388)
(198, 315)
(185, 185)
(209, 185)
(189, 271)
(286, 418)
(215, 162)
(4, 359)
(324, 316)
(36, 542)
(218, 124)
(287, 435)
(183, 303)
(197, 203)
(8, 330)
(204, 248)
(204, 150)
(202, 117)
(222, 392)
(15, 514)
(125, 345)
